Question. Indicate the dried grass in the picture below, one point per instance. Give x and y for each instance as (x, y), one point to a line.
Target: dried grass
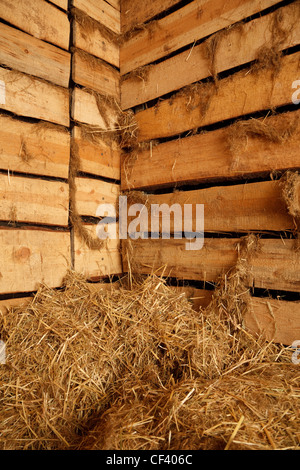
(241, 131)
(137, 368)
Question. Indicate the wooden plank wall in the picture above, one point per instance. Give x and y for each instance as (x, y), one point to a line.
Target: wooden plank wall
(212, 86)
(95, 110)
(53, 84)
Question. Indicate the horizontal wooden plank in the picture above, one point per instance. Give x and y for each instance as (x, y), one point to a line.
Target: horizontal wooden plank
(39, 149)
(60, 3)
(24, 53)
(39, 18)
(32, 97)
(96, 42)
(31, 257)
(276, 320)
(102, 12)
(88, 109)
(94, 264)
(96, 156)
(195, 21)
(95, 74)
(136, 12)
(241, 208)
(18, 302)
(233, 47)
(207, 157)
(33, 200)
(91, 193)
(274, 266)
(252, 92)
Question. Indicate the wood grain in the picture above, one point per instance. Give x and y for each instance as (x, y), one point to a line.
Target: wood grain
(233, 47)
(195, 21)
(135, 12)
(251, 92)
(24, 53)
(96, 43)
(102, 12)
(86, 110)
(94, 264)
(31, 257)
(95, 74)
(31, 97)
(92, 192)
(33, 200)
(275, 266)
(39, 18)
(37, 149)
(98, 157)
(241, 208)
(207, 157)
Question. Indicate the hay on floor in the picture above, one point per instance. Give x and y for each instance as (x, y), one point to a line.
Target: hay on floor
(135, 367)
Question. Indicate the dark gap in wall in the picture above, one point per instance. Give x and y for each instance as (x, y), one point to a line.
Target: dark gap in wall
(195, 186)
(17, 174)
(264, 235)
(169, 11)
(88, 219)
(32, 226)
(255, 292)
(203, 285)
(275, 294)
(56, 6)
(98, 177)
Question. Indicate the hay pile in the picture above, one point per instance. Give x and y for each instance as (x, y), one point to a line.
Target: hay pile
(137, 368)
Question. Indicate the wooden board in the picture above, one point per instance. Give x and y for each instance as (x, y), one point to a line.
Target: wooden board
(19, 302)
(235, 47)
(94, 264)
(60, 3)
(206, 157)
(241, 208)
(95, 74)
(33, 200)
(98, 157)
(195, 21)
(39, 18)
(251, 92)
(136, 12)
(86, 110)
(276, 320)
(32, 97)
(92, 192)
(275, 266)
(96, 43)
(115, 3)
(39, 149)
(102, 12)
(31, 257)
(24, 53)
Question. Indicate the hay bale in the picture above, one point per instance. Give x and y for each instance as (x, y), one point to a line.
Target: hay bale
(137, 368)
